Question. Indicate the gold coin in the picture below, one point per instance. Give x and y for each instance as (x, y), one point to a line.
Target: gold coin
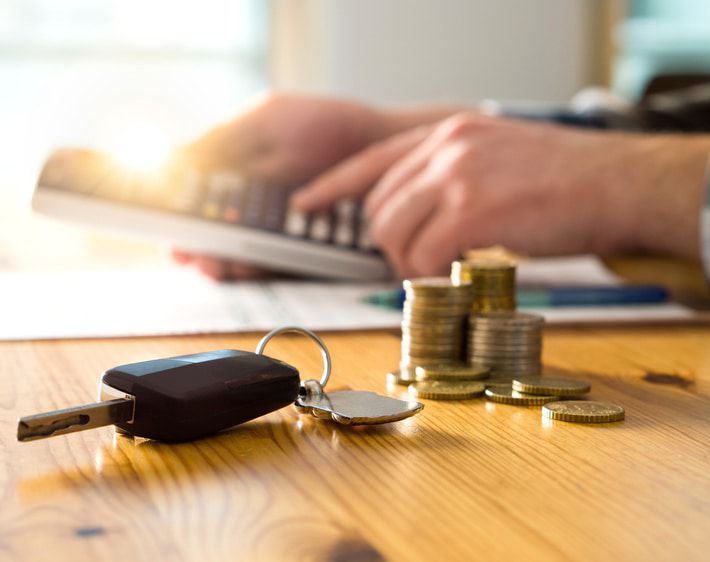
(582, 411)
(502, 363)
(506, 339)
(446, 299)
(451, 372)
(511, 374)
(504, 394)
(503, 330)
(504, 353)
(437, 307)
(425, 346)
(483, 265)
(551, 385)
(447, 390)
(434, 285)
(403, 376)
(436, 357)
(484, 307)
(434, 316)
(507, 319)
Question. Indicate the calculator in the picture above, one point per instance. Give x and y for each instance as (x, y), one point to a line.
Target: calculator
(210, 211)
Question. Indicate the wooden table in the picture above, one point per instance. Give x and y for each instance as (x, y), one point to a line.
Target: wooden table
(461, 481)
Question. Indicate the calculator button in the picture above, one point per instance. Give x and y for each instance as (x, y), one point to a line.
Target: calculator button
(254, 205)
(190, 193)
(343, 234)
(344, 218)
(210, 210)
(296, 223)
(276, 208)
(232, 214)
(321, 229)
(364, 241)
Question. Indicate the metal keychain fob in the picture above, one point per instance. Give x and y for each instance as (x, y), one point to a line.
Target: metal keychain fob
(347, 407)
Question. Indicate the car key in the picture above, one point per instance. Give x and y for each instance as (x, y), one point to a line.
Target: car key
(177, 398)
(192, 396)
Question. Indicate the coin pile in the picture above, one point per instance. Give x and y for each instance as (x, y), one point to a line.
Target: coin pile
(444, 357)
(553, 394)
(536, 390)
(433, 324)
(509, 343)
(492, 282)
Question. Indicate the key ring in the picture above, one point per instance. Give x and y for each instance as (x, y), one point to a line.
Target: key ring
(325, 354)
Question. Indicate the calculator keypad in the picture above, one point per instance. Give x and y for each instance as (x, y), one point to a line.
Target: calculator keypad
(222, 196)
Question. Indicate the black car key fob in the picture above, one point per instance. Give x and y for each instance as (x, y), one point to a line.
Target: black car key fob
(191, 396)
(177, 398)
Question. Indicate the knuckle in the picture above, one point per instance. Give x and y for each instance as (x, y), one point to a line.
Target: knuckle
(378, 233)
(460, 156)
(458, 194)
(419, 262)
(459, 125)
(271, 99)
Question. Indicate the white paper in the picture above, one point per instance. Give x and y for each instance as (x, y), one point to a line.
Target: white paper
(178, 300)
(663, 312)
(568, 271)
(175, 301)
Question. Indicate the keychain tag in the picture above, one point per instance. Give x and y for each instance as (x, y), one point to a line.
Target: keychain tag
(347, 407)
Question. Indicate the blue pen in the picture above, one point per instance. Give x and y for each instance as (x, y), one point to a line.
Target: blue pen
(557, 296)
(592, 296)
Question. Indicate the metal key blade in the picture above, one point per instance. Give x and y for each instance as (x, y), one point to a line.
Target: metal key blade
(78, 418)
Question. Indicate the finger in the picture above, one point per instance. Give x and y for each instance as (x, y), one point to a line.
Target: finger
(433, 247)
(399, 218)
(232, 143)
(449, 129)
(356, 174)
(245, 271)
(399, 174)
(212, 267)
(180, 256)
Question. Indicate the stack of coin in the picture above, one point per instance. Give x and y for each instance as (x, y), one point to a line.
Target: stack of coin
(433, 324)
(492, 282)
(510, 343)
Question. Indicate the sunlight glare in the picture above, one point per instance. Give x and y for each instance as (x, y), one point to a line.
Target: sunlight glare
(141, 148)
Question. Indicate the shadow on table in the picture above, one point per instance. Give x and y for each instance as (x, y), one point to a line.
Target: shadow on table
(262, 447)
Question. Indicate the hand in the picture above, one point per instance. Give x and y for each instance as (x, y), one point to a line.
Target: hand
(283, 138)
(219, 269)
(536, 188)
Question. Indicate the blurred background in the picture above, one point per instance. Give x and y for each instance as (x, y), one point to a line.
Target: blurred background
(103, 73)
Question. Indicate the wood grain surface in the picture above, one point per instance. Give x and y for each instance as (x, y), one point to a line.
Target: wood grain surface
(461, 481)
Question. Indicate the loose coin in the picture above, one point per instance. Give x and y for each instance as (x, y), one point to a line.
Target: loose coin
(582, 411)
(445, 390)
(434, 285)
(551, 385)
(506, 319)
(451, 372)
(504, 394)
(403, 376)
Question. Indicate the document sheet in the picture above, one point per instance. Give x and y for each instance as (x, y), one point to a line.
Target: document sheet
(177, 300)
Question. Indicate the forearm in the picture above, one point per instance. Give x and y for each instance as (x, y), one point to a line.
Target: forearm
(659, 197)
